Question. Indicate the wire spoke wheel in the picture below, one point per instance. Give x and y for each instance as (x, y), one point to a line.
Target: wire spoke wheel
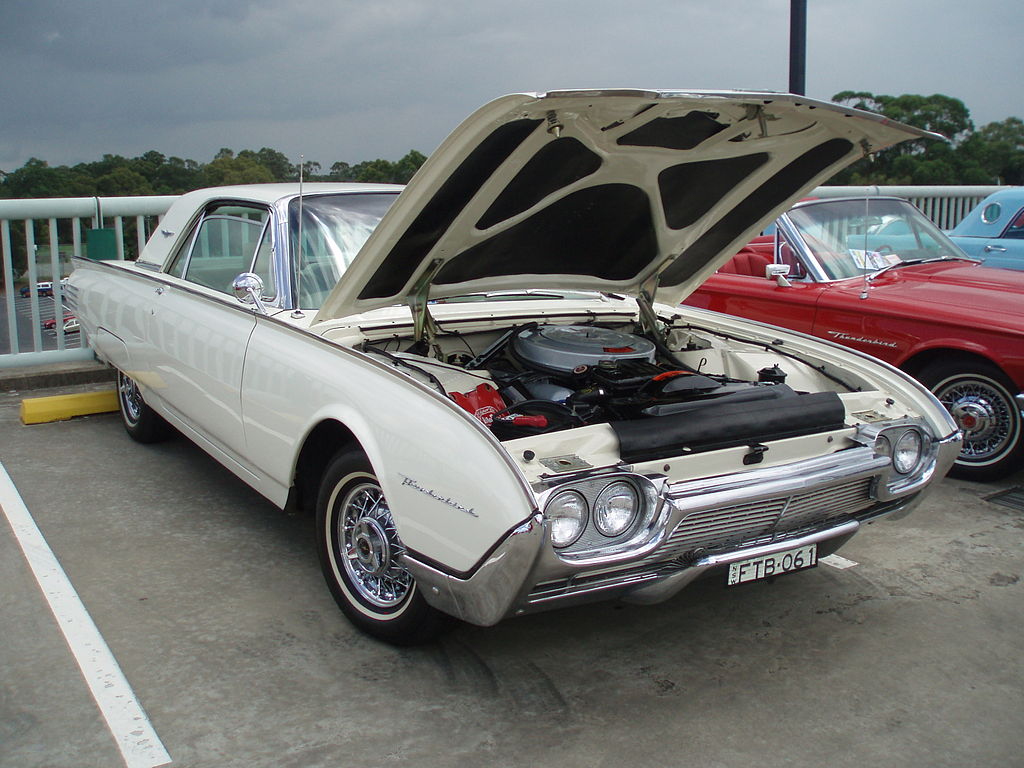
(371, 548)
(984, 415)
(131, 398)
(361, 556)
(141, 422)
(978, 397)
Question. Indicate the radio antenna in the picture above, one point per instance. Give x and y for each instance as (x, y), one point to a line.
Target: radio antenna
(866, 284)
(298, 251)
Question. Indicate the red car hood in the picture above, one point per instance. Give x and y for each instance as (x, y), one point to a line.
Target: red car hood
(965, 288)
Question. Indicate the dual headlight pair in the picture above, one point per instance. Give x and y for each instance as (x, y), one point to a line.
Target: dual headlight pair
(614, 512)
(905, 448)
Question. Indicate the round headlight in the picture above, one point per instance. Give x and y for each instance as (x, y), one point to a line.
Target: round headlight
(616, 509)
(907, 452)
(568, 515)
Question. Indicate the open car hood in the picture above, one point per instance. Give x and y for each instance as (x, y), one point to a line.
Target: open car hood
(619, 190)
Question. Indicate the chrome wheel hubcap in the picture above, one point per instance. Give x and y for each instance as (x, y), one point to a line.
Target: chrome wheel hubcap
(131, 398)
(370, 547)
(984, 415)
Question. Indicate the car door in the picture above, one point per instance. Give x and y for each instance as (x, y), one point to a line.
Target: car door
(741, 288)
(1007, 250)
(199, 331)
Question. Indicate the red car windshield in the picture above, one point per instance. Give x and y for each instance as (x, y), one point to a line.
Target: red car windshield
(851, 237)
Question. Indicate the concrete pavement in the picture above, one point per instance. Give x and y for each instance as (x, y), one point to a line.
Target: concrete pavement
(212, 603)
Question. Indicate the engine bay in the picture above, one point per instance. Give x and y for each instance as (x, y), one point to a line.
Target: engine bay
(658, 394)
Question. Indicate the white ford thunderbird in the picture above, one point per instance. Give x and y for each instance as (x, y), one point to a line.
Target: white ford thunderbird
(483, 385)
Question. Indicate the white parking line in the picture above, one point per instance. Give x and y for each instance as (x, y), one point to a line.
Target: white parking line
(140, 746)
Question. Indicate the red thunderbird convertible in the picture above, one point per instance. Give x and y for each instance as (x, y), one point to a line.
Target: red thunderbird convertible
(876, 275)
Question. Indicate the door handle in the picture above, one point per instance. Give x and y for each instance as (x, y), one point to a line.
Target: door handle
(994, 249)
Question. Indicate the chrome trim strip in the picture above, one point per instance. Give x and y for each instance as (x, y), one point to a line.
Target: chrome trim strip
(780, 480)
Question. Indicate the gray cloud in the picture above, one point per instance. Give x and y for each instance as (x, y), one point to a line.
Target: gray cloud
(352, 80)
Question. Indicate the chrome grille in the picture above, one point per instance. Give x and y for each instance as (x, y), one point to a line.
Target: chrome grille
(817, 506)
(724, 527)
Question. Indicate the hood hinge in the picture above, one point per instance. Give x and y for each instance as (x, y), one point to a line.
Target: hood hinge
(645, 301)
(418, 300)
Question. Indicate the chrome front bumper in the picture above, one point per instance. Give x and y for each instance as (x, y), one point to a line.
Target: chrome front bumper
(704, 525)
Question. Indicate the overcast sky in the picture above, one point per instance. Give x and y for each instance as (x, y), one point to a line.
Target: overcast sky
(355, 80)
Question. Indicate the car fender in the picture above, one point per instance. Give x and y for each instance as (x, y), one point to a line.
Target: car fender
(453, 489)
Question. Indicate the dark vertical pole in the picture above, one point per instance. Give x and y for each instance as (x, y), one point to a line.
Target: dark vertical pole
(797, 46)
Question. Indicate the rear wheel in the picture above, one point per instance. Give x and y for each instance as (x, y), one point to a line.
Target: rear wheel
(141, 422)
(980, 398)
(361, 556)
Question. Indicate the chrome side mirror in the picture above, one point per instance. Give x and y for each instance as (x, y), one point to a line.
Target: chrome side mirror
(248, 288)
(778, 272)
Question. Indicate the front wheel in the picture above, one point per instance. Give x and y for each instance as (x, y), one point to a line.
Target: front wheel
(361, 556)
(979, 397)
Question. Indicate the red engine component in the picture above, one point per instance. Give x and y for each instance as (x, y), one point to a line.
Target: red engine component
(485, 401)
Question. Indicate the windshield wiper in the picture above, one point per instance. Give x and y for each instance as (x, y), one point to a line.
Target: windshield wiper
(887, 267)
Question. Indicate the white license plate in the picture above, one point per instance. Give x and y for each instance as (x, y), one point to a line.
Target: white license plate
(772, 565)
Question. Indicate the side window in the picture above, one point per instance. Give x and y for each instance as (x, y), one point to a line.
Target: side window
(180, 258)
(223, 244)
(263, 265)
(1016, 228)
(787, 255)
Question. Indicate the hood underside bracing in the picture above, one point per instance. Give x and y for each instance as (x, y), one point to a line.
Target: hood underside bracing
(621, 191)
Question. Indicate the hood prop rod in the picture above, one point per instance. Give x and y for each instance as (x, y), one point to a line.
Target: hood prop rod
(424, 327)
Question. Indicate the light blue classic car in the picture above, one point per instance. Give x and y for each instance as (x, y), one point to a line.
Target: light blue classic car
(994, 230)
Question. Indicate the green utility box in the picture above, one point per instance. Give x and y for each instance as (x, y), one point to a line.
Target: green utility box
(100, 244)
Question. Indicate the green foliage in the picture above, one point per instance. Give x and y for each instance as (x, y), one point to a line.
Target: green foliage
(235, 170)
(153, 173)
(992, 155)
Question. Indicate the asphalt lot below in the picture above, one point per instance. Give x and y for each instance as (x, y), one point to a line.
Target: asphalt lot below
(212, 603)
(24, 325)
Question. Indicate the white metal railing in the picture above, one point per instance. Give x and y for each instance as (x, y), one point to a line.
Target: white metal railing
(24, 342)
(945, 206)
(27, 344)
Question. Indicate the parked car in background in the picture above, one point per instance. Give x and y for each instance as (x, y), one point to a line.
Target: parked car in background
(484, 387)
(44, 288)
(876, 275)
(994, 230)
(50, 323)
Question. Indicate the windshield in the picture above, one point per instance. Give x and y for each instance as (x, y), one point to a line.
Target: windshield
(851, 237)
(334, 228)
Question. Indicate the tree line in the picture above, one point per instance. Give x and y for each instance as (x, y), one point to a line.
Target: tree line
(992, 154)
(153, 173)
